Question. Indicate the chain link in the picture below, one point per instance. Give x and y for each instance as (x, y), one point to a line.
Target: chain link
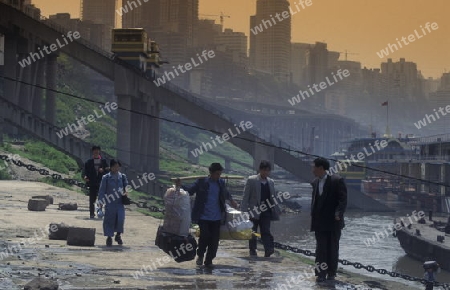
(357, 265)
(57, 176)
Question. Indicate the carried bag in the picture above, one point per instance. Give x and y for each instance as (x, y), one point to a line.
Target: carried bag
(180, 248)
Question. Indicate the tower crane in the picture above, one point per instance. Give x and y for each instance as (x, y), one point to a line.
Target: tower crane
(222, 16)
(346, 53)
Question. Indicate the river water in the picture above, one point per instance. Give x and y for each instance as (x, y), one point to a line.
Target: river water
(386, 253)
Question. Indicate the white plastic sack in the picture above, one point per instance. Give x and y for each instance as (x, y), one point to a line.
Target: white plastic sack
(177, 218)
(237, 227)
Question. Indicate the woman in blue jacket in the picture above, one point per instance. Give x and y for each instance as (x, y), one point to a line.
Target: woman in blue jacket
(110, 194)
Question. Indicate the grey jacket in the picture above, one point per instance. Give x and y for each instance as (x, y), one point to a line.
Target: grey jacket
(252, 197)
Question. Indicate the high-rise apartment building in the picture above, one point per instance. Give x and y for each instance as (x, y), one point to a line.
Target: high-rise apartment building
(100, 12)
(172, 23)
(401, 79)
(270, 48)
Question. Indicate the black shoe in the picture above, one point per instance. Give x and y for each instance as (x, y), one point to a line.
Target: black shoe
(253, 253)
(109, 242)
(118, 239)
(92, 216)
(269, 253)
(199, 261)
(320, 279)
(208, 263)
(331, 277)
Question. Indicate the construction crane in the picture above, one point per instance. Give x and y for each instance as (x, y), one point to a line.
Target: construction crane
(222, 16)
(346, 53)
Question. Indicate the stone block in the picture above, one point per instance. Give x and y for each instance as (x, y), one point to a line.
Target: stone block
(58, 231)
(41, 284)
(47, 197)
(37, 204)
(68, 206)
(81, 237)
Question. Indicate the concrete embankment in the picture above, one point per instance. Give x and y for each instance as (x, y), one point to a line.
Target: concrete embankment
(425, 247)
(138, 264)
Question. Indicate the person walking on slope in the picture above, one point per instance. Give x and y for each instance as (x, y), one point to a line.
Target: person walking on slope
(110, 194)
(259, 193)
(209, 211)
(92, 173)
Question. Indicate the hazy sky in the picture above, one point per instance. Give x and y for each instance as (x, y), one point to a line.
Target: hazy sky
(359, 26)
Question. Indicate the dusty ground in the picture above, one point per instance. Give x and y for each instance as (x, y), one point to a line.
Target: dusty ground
(100, 267)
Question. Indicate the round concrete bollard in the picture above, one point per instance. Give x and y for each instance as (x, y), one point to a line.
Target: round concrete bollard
(68, 206)
(37, 204)
(81, 237)
(47, 197)
(41, 284)
(58, 231)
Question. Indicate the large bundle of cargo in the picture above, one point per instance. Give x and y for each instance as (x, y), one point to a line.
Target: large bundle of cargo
(177, 218)
(237, 227)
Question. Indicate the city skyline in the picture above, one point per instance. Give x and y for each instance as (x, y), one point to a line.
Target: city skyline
(344, 25)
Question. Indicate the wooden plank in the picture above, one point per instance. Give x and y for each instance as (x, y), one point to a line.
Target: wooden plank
(204, 176)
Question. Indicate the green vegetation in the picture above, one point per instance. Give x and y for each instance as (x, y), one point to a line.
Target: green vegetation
(4, 174)
(158, 215)
(40, 152)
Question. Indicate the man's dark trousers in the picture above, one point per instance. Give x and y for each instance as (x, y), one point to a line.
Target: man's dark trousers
(264, 226)
(209, 238)
(93, 193)
(327, 251)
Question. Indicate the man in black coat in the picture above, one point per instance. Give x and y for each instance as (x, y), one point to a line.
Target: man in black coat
(329, 201)
(209, 211)
(92, 173)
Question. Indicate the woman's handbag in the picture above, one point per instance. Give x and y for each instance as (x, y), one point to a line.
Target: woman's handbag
(126, 200)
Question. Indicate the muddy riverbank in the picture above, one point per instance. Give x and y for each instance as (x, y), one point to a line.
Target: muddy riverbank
(138, 264)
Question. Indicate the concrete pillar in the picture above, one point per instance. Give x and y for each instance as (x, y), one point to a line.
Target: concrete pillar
(192, 158)
(153, 136)
(11, 69)
(124, 128)
(50, 99)
(262, 152)
(228, 164)
(37, 93)
(137, 133)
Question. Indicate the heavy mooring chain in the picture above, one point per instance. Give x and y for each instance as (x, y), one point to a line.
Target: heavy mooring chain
(57, 176)
(357, 265)
(42, 171)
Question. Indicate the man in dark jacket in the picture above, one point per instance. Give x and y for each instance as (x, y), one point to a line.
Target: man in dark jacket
(209, 211)
(329, 201)
(92, 173)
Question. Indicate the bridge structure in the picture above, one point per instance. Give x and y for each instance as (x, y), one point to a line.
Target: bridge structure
(139, 101)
